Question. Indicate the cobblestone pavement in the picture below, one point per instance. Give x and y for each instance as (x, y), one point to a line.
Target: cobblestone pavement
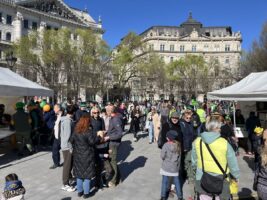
(139, 164)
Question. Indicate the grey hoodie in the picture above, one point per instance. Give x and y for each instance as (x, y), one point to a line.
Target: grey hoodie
(65, 133)
(171, 159)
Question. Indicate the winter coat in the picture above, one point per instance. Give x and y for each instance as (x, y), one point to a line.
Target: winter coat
(135, 123)
(84, 154)
(188, 134)
(170, 126)
(115, 131)
(66, 130)
(251, 124)
(210, 137)
(21, 121)
(171, 160)
(49, 119)
(97, 124)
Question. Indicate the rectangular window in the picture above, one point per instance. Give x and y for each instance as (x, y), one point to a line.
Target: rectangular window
(182, 48)
(172, 47)
(34, 25)
(1, 18)
(227, 47)
(151, 47)
(227, 61)
(8, 36)
(9, 19)
(194, 48)
(162, 47)
(217, 47)
(171, 59)
(26, 23)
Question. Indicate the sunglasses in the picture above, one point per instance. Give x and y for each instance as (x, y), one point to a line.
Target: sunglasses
(188, 118)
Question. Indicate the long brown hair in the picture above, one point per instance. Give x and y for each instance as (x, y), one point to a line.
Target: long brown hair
(83, 124)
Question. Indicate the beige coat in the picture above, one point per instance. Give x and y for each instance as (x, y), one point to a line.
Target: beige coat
(156, 124)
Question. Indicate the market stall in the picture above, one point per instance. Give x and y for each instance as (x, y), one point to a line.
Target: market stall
(250, 91)
(14, 87)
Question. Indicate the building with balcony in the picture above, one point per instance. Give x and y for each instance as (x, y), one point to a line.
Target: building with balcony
(217, 43)
(21, 17)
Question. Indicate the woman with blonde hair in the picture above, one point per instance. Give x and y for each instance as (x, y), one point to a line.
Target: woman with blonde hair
(83, 141)
(260, 179)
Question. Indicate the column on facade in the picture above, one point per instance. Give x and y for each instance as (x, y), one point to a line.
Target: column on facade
(18, 26)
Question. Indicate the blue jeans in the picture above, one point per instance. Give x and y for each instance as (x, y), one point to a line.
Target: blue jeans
(83, 185)
(151, 131)
(165, 186)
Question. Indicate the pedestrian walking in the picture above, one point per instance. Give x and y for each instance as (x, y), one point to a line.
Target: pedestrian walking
(135, 123)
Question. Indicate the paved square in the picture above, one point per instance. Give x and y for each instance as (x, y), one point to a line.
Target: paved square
(139, 164)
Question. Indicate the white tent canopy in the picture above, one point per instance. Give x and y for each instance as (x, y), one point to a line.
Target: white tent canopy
(12, 84)
(251, 88)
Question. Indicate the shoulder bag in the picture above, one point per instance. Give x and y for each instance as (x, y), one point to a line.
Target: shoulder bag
(209, 183)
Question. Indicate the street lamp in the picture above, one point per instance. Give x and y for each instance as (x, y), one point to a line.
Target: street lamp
(11, 60)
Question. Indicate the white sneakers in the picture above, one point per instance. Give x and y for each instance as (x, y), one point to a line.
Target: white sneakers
(68, 188)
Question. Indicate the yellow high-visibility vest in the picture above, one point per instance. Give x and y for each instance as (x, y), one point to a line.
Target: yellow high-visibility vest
(202, 115)
(219, 149)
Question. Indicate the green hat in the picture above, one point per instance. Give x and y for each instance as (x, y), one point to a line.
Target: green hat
(83, 104)
(20, 105)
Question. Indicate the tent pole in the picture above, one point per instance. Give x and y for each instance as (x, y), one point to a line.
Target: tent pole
(234, 117)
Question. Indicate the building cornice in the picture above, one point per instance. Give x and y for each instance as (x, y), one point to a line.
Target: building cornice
(178, 39)
(197, 52)
(38, 13)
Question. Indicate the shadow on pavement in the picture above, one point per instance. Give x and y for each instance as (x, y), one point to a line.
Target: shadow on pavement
(127, 168)
(10, 156)
(125, 150)
(66, 198)
(247, 194)
(250, 162)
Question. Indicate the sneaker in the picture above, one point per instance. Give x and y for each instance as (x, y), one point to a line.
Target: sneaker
(135, 139)
(71, 189)
(53, 166)
(80, 194)
(68, 188)
(111, 185)
(65, 187)
(86, 196)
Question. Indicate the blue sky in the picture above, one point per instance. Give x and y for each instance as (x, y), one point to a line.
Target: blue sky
(121, 16)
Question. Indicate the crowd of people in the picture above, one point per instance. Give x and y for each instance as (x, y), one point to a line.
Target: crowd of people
(197, 143)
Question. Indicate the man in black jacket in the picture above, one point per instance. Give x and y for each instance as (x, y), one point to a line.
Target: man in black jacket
(114, 135)
(173, 124)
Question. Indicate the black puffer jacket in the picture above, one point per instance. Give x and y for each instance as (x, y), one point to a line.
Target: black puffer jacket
(84, 154)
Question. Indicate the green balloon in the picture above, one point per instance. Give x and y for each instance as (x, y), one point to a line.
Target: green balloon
(42, 104)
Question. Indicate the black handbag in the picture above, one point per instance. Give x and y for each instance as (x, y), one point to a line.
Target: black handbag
(209, 183)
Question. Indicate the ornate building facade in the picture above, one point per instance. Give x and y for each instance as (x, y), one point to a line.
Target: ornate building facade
(20, 17)
(217, 43)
